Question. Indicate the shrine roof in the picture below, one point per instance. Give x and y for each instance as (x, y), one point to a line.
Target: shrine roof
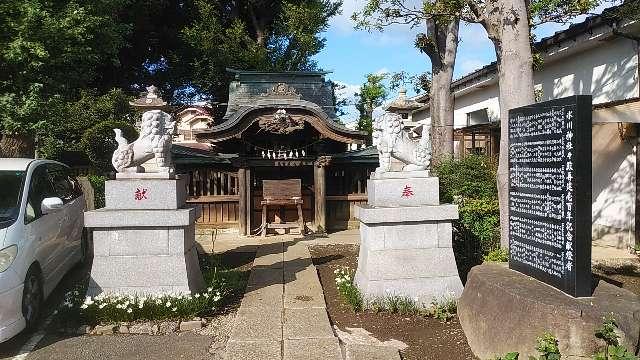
(254, 93)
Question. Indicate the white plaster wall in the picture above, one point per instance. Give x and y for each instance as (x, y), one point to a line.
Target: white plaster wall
(608, 71)
(613, 186)
(487, 98)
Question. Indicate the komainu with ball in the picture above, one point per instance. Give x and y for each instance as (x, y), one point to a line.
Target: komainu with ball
(156, 132)
(392, 141)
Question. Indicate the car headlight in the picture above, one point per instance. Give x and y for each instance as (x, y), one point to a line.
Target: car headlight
(7, 255)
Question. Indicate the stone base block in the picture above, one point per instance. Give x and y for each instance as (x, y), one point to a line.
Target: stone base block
(135, 193)
(110, 218)
(412, 258)
(403, 191)
(502, 310)
(141, 261)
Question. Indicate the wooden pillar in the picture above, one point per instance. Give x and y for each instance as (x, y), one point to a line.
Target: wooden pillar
(320, 187)
(242, 201)
(249, 196)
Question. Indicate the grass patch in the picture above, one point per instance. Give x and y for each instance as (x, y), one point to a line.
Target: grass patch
(444, 309)
(348, 289)
(223, 286)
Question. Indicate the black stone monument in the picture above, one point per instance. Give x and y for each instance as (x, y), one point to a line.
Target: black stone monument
(550, 193)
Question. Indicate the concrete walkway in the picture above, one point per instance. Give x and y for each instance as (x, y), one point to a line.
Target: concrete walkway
(283, 313)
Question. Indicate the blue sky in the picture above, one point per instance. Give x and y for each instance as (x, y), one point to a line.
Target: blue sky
(352, 54)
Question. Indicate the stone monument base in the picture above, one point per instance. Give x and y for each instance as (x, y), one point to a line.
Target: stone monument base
(407, 251)
(144, 244)
(502, 310)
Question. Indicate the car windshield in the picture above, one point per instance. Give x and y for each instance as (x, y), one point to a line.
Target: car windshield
(11, 185)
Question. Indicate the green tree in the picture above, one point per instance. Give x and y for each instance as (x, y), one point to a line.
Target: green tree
(439, 42)
(48, 51)
(259, 35)
(508, 24)
(371, 95)
(71, 119)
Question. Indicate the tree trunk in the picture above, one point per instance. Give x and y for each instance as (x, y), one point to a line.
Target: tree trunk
(15, 146)
(515, 75)
(441, 102)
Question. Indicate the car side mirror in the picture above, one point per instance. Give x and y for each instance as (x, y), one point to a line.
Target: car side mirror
(51, 204)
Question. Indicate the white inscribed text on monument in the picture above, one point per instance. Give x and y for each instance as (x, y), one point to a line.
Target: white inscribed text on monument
(541, 190)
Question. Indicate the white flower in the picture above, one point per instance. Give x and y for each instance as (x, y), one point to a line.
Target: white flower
(140, 305)
(174, 309)
(101, 306)
(129, 311)
(84, 306)
(88, 300)
(196, 295)
(217, 297)
(209, 289)
(168, 304)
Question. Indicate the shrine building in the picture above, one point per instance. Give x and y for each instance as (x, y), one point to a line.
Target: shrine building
(277, 126)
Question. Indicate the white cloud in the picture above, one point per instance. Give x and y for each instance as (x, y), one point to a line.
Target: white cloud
(382, 71)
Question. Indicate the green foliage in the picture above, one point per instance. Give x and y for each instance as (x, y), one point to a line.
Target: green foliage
(278, 35)
(371, 95)
(470, 182)
(547, 347)
(444, 310)
(99, 142)
(472, 177)
(50, 49)
(612, 349)
(71, 119)
(348, 289)
(508, 356)
(497, 255)
(97, 183)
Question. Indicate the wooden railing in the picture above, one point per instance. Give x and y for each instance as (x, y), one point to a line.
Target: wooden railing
(346, 188)
(215, 193)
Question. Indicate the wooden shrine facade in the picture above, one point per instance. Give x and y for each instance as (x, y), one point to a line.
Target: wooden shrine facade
(278, 126)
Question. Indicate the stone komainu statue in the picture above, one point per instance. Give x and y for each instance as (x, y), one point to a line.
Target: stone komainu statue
(156, 133)
(392, 141)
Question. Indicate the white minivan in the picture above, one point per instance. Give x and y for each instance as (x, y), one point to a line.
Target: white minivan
(41, 237)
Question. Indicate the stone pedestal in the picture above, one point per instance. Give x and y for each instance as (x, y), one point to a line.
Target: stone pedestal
(144, 239)
(406, 240)
(502, 310)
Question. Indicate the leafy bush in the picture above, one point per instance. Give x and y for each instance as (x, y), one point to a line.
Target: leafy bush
(548, 347)
(549, 350)
(472, 177)
(497, 255)
(348, 289)
(470, 183)
(481, 218)
(612, 349)
(99, 143)
(97, 183)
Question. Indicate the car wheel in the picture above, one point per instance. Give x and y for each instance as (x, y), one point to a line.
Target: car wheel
(32, 297)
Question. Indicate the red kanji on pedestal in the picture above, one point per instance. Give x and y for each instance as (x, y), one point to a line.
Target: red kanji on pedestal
(407, 192)
(140, 194)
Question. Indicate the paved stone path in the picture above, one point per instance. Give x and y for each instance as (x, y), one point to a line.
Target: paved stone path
(283, 315)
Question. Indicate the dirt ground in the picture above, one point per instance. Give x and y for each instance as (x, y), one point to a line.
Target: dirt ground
(625, 276)
(427, 338)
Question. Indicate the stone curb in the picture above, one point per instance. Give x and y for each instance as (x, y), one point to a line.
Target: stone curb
(139, 328)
